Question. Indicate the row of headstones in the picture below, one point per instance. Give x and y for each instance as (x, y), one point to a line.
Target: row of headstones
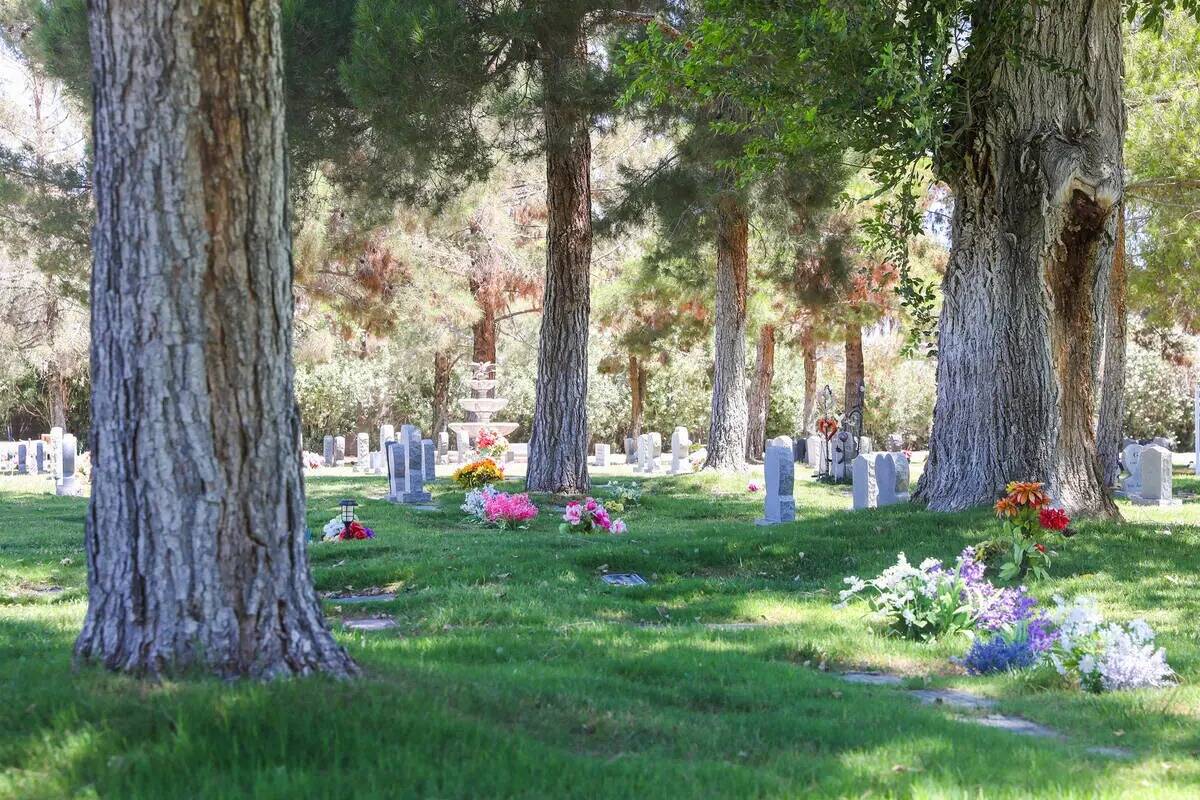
(374, 461)
(1150, 480)
(880, 479)
(33, 459)
(835, 461)
(645, 453)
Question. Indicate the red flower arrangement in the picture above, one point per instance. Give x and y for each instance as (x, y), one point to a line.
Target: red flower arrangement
(1054, 519)
(827, 427)
(356, 530)
(1025, 511)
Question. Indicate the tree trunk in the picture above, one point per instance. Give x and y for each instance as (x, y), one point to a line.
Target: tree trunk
(484, 284)
(808, 344)
(1026, 288)
(1112, 373)
(728, 428)
(637, 396)
(760, 393)
(195, 535)
(56, 394)
(440, 403)
(559, 438)
(855, 370)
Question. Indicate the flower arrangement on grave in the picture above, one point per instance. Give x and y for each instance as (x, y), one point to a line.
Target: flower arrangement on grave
(753, 487)
(490, 443)
(589, 516)
(1025, 512)
(827, 427)
(625, 495)
(338, 531)
(489, 506)
(931, 600)
(478, 473)
(475, 502)
(1100, 656)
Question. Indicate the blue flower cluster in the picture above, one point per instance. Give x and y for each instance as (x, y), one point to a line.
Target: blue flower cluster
(999, 653)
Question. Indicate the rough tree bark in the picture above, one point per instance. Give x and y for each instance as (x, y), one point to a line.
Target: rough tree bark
(1112, 372)
(1026, 288)
(559, 436)
(808, 346)
(728, 429)
(195, 535)
(637, 396)
(56, 394)
(440, 402)
(484, 283)
(855, 369)
(760, 393)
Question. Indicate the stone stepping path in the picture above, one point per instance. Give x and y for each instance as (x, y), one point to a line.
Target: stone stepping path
(382, 597)
(966, 701)
(370, 624)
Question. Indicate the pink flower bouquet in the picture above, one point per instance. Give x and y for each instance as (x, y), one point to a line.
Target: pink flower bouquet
(589, 516)
(509, 511)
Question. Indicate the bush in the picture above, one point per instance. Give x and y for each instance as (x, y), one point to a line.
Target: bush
(1157, 397)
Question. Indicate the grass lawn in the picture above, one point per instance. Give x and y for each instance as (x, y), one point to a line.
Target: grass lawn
(515, 672)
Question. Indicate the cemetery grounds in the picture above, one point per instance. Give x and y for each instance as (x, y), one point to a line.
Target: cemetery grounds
(512, 670)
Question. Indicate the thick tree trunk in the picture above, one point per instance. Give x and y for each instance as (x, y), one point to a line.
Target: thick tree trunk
(56, 395)
(484, 283)
(808, 344)
(1112, 373)
(559, 439)
(440, 402)
(195, 535)
(637, 396)
(760, 393)
(728, 428)
(855, 369)
(1026, 288)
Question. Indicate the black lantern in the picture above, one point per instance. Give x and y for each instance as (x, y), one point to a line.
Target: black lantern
(347, 505)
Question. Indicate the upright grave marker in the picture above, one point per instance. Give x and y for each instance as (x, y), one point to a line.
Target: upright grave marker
(327, 446)
(406, 474)
(429, 459)
(339, 450)
(866, 491)
(891, 478)
(779, 505)
(680, 445)
(602, 453)
(362, 452)
(1155, 478)
(69, 484)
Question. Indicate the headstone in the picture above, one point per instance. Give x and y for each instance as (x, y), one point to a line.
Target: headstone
(838, 455)
(866, 491)
(329, 451)
(1196, 409)
(406, 475)
(602, 453)
(780, 472)
(510, 456)
(643, 453)
(680, 444)
(895, 442)
(1162, 441)
(362, 452)
(655, 447)
(1155, 478)
(70, 484)
(630, 450)
(39, 457)
(799, 450)
(1131, 458)
(462, 446)
(387, 433)
(22, 458)
(56, 437)
(815, 447)
(891, 478)
(865, 445)
(377, 462)
(443, 447)
(339, 449)
(429, 460)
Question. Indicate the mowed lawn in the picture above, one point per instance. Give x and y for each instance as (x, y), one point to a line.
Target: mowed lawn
(515, 672)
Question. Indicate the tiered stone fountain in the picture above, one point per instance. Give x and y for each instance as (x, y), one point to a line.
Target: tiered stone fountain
(480, 407)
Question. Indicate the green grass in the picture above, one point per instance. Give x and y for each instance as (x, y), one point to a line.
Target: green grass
(516, 673)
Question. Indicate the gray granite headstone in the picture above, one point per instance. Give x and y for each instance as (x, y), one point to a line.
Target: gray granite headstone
(1131, 458)
(362, 452)
(443, 447)
(327, 444)
(22, 458)
(631, 456)
(429, 460)
(56, 437)
(39, 457)
(70, 484)
(866, 490)
(814, 449)
(405, 473)
(780, 471)
(339, 449)
(602, 453)
(1155, 478)
(891, 478)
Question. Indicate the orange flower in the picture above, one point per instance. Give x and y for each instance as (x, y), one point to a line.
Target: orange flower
(1028, 494)
(1005, 507)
